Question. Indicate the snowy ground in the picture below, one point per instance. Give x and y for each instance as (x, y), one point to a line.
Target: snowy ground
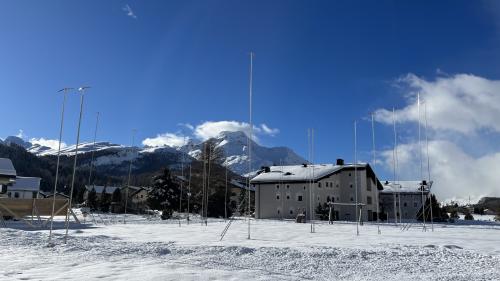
(146, 249)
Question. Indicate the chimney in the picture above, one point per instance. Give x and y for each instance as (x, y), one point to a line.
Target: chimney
(340, 162)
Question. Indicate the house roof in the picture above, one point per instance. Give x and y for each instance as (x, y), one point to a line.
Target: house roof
(26, 184)
(404, 186)
(304, 173)
(48, 195)
(6, 168)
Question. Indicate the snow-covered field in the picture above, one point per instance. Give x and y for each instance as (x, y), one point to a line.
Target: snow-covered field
(145, 249)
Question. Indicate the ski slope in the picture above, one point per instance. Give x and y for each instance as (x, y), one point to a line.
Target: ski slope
(150, 249)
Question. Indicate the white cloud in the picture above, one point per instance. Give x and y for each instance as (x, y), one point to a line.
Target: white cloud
(167, 139)
(53, 144)
(269, 131)
(462, 103)
(129, 11)
(457, 175)
(21, 134)
(463, 112)
(211, 129)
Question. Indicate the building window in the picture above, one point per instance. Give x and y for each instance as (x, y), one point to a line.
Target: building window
(277, 197)
(319, 184)
(288, 196)
(369, 200)
(369, 186)
(327, 198)
(331, 184)
(326, 184)
(287, 186)
(16, 194)
(304, 187)
(352, 199)
(291, 212)
(299, 198)
(404, 204)
(349, 174)
(278, 211)
(350, 185)
(277, 186)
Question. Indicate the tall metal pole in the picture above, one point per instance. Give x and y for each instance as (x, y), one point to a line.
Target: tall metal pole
(356, 175)
(421, 164)
(65, 91)
(250, 142)
(428, 165)
(189, 193)
(373, 161)
(93, 148)
(182, 182)
(129, 175)
(82, 95)
(394, 157)
(225, 199)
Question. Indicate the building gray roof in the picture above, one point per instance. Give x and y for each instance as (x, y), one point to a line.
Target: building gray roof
(404, 186)
(25, 184)
(6, 168)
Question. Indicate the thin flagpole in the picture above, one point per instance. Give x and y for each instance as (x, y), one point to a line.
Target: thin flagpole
(250, 141)
(421, 164)
(65, 91)
(93, 148)
(394, 166)
(82, 91)
(313, 228)
(356, 176)
(189, 193)
(373, 161)
(128, 179)
(225, 198)
(428, 164)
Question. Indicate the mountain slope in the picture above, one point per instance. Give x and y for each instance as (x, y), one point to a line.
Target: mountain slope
(115, 159)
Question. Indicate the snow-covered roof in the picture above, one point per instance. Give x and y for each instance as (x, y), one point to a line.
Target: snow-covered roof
(294, 173)
(6, 168)
(25, 184)
(403, 186)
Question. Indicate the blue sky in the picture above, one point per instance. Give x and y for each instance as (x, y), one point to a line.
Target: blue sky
(319, 64)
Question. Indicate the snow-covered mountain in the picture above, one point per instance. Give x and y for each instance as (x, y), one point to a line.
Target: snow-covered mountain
(115, 157)
(235, 149)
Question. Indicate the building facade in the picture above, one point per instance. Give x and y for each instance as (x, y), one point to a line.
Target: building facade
(402, 200)
(283, 192)
(24, 188)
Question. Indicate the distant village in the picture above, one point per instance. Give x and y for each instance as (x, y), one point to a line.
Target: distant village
(329, 191)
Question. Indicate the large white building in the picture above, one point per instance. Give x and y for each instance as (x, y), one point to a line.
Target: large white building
(283, 191)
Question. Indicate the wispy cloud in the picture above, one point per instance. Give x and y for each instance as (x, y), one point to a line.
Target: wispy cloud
(129, 12)
(207, 130)
(211, 129)
(463, 112)
(167, 139)
(20, 134)
(53, 144)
